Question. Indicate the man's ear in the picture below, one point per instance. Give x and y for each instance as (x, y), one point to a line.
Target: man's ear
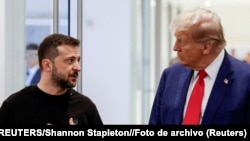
(207, 48)
(47, 65)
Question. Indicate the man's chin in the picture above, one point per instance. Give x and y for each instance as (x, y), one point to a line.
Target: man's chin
(72, 85)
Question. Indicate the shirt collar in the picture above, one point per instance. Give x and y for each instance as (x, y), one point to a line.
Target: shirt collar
(213, 68)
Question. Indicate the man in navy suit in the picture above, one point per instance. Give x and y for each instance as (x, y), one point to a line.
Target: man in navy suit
(200, 45)
(33, 70)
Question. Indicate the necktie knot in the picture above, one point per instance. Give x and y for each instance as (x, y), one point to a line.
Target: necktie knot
(202, 74)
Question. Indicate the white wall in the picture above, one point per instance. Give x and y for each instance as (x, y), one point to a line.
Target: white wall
(11, 46)
(106, 58)
(2, 50)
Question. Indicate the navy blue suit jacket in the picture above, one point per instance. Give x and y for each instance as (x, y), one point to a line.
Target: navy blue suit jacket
(228, 104)
(36, 77)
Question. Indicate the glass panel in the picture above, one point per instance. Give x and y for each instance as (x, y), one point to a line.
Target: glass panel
(39, 24)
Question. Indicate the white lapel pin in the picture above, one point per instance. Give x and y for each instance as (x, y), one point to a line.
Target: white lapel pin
(226, 81)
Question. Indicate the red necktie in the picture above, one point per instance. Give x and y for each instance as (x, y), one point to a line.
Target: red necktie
(193, 110)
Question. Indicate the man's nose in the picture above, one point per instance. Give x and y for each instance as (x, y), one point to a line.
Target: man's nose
(77, 66)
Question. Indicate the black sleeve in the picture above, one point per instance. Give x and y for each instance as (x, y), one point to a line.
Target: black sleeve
(94, 117)
(5, 114)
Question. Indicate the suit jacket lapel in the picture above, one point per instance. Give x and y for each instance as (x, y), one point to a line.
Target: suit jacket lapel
(219, 90)
(181, 94)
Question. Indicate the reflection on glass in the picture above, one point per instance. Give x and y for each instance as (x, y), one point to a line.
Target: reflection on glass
(33, 73)
(39, 24)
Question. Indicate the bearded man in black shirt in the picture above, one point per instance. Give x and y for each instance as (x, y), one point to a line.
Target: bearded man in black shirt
(53, 101)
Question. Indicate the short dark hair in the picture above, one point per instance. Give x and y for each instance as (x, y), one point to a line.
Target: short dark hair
(48, 47)
(32, 46)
